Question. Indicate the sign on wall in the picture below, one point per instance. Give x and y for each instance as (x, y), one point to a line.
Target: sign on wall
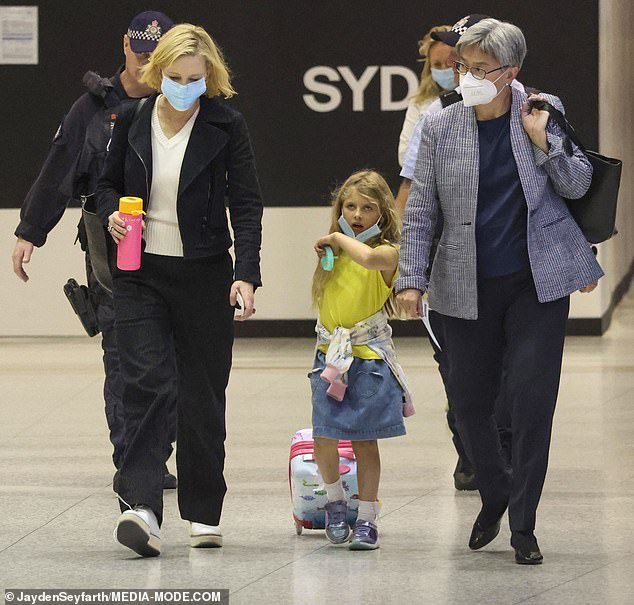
(18, 35)
(323, 81)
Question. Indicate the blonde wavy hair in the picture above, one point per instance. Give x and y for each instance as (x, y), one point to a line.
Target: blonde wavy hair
(372, 186)
(183, 40)
(427, 88)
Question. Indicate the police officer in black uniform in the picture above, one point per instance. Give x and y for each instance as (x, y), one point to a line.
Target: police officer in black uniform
(71, 171)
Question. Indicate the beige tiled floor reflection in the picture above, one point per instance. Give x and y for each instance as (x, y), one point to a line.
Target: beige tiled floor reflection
(57, 509)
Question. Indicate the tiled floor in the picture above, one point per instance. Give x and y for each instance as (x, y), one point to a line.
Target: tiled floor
(57, 509)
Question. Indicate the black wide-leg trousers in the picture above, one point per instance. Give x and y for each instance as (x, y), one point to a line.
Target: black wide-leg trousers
(175, 308)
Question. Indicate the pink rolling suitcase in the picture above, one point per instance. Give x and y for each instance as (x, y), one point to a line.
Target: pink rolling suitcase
(307, 487)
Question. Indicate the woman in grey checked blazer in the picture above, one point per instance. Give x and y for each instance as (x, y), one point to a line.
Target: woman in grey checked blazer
(508, 259)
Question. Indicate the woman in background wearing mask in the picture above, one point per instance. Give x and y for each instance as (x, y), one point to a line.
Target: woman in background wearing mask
(437, 76)
(183, 151)
(509, 257)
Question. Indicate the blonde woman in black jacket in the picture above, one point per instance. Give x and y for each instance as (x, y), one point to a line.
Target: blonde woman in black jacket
(184, 152)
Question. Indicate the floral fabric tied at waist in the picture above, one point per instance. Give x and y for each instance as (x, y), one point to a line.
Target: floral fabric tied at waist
(373, 332)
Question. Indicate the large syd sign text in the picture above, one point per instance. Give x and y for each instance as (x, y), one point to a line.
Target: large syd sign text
(324, 84)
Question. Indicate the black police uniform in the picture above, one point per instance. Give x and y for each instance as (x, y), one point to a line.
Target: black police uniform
(70, 172)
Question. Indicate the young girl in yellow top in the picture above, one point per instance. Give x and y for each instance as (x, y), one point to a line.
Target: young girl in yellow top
(358, 388)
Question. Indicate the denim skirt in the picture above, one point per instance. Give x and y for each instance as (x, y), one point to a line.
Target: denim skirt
(372, 407)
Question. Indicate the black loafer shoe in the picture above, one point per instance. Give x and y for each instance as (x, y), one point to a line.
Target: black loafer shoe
(465, 482)
(481, 536)
(169, 481)
(526, 548)
(464, 478)
(533, 557)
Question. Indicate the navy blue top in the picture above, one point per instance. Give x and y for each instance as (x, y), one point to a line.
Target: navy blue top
(501, 214)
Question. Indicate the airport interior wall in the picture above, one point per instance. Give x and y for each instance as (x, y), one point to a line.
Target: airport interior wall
(323, 88)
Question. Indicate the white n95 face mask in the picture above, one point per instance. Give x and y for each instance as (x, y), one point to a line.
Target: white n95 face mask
(364, 236)
(478, 92)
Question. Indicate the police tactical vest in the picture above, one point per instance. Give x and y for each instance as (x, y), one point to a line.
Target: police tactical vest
(98, 132)
(96, 141)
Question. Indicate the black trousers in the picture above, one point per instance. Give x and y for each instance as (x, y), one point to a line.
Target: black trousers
(517, 334)
(175, 308)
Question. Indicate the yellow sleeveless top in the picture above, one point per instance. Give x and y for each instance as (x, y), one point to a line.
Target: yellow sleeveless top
(352, 293)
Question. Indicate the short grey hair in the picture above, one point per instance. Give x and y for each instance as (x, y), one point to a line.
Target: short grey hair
(503, 41)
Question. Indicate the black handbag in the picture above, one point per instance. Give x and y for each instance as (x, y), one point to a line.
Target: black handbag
(595, 212)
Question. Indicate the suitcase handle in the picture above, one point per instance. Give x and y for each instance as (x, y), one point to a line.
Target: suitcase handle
(346, 453)
(308, 447)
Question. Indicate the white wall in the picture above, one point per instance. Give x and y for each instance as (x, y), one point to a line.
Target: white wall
(40, 308)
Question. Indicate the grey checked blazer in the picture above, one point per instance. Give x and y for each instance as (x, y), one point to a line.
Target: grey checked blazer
(446, 180)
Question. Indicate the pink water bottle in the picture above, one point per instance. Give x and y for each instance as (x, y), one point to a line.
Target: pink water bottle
(129, 248)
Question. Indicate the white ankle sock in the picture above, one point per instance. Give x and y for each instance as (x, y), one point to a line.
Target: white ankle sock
(335, 491)
(368, 511)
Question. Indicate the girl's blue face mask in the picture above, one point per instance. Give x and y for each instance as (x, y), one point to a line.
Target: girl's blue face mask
(445, 78)
(182, 96)
(364, 236)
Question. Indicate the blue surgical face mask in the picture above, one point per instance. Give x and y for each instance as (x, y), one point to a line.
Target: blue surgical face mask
(445, 78)
(364, 236)
(182, 96)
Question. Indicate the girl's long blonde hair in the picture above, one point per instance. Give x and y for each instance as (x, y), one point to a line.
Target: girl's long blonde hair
(427, 88)
(372, 186)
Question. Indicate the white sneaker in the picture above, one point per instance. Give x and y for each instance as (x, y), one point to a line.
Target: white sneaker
(138, 530)
(204, 536)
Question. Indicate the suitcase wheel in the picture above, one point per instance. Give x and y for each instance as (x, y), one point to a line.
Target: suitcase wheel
(298, 528)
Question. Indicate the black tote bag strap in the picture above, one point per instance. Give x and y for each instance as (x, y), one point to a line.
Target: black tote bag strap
(560, 119)
(595, 211)
(138, 107)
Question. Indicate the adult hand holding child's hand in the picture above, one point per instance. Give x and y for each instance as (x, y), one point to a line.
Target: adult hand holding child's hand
(409, 300)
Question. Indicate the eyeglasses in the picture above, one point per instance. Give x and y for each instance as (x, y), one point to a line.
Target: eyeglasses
(477, 72)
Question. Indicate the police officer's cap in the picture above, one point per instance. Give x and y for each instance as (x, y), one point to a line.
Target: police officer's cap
(146, 29)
